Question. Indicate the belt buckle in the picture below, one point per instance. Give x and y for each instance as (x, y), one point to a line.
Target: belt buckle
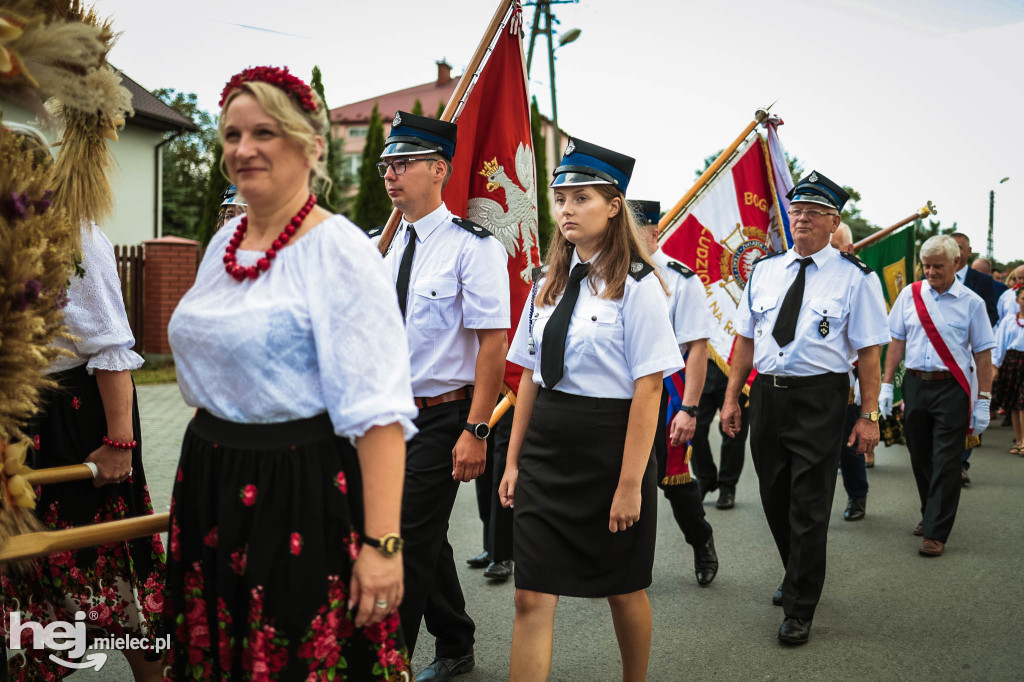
(775, 382)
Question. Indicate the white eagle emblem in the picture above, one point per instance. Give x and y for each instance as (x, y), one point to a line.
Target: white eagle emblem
(570, 148)
(398, 120)
(515, 228)
(636, 267)
(813, 177)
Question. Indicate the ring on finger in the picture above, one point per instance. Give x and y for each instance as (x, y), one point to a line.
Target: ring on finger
(381, 604)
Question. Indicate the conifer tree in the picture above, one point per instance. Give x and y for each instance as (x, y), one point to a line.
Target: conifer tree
(545, 225)
(372, 205)
(417, 107)
(440, 109)
(216, 184)
(332, 199)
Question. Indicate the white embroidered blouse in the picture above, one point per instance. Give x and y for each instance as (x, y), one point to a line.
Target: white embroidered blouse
(319, 331)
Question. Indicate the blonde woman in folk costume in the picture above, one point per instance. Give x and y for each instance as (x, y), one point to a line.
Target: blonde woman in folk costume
(595, 341)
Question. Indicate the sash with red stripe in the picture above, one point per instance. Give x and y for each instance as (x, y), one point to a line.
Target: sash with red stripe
(940, 346)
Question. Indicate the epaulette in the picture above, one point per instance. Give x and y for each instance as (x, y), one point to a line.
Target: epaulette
(864, 267)
(680, 268)
(766, 256)
(470, 226)
(640, 269)
(375, 232)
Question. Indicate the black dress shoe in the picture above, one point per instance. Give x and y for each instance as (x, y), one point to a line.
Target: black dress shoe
(777, 597)
(705, 562)
(726, 500)
(499, 570)
(481, 560)
(855, 508)
(446, 668)
(792, 631)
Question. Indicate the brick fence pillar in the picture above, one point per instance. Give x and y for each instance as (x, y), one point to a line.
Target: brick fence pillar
(169, 272)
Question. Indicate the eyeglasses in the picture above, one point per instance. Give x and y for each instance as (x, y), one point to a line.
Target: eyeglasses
(809, 212)
(398, 165)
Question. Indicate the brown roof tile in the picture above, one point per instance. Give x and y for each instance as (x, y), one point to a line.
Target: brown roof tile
(151, 111)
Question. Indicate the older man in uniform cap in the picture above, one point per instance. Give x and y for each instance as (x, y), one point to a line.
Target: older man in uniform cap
(453, 291)
(804, 313)
(940, 325)
(692, 324)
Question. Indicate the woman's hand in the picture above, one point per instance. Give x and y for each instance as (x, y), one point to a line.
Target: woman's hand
(625, 508)
(507, 487)
(114, 465)
(682, 428)
(376, 580)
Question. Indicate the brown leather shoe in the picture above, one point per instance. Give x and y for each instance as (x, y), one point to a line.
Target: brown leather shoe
(919, 530)
(931, 547)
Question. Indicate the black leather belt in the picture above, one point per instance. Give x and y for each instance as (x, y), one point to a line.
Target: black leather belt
(777, 381)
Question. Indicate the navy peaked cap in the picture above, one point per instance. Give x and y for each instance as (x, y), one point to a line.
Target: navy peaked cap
(412, 134)
(817, 189)
(584, 163)
(648, 212)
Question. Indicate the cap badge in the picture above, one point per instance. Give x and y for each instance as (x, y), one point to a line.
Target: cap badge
(636, 267)
(812, 178)
(398, 120)
(570, 148)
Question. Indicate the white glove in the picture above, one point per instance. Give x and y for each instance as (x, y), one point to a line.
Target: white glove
(979, 420)
(885, 400)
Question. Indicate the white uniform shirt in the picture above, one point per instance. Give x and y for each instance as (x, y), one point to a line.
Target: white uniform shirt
(839, 299)
(1009, 336)
(317, 332)
(458, 284)
(1007, 303)
(966, 323)
(687, 302)
(610, 344)
(95, 313)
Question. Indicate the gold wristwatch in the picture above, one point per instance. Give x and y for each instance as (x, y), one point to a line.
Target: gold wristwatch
(388, 545)
(873, 416)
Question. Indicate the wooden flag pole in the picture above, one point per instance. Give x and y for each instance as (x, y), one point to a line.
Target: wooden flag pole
(32, 545)
(73, 472)
(759, 116)
(465, 81)
(925, 211)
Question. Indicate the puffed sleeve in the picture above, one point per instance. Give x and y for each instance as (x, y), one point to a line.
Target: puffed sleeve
(519, 349)
(898, 316)
(1002, 342)
(485, 292)
(95, 310)
(650, 343)
(981, 337)
(868, 325)
(360, 340)
(690, 315)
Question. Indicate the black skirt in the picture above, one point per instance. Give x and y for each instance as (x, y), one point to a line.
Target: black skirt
(1009, 390)
(118, 586)
(265, 526)
(569, 469)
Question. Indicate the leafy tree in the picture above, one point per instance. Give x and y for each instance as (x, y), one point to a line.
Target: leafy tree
(372, 205)
(922, 233)
(417, 107)
(186, 166)
(332, 200)
(545, 225)
(216, 184)
(440, 109)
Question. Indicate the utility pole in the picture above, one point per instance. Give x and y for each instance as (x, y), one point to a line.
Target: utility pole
(544, 7)
(991, 221)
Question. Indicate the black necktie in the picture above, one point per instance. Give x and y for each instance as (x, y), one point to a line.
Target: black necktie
(405, 269)
(785, 323)
(552, 358)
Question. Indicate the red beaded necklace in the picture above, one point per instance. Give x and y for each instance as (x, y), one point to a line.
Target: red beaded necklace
(253, 271)
(1019, 324)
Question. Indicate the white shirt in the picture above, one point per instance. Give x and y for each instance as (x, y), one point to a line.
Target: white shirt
(1009, 336)
(458, 284)
(1007, 303)
(964, 321)
(95, 313)
(687, 306)
(840, 300)
(610, 344)
(319, 331)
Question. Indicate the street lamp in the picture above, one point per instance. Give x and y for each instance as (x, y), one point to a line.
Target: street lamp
(569, 36)
(991, 219)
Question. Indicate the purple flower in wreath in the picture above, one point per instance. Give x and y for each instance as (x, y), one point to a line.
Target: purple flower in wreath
(30, 294)
(15, 206)
(43, 204)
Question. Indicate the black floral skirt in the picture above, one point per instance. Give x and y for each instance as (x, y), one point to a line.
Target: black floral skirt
(1009, 390)
(265, 527)
(119, 586)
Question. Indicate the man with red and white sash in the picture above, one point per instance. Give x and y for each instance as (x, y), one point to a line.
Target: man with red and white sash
(943, 329)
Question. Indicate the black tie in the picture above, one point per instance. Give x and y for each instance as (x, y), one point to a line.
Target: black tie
(405, 269)
(785, 324)
(552, 358)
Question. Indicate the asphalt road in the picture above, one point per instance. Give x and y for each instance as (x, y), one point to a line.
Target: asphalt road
(886, 613)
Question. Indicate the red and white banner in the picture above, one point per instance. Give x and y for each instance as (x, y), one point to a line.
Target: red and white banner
(493, 179)
(733, 222)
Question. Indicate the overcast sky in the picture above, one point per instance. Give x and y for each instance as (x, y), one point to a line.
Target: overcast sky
(904, 100)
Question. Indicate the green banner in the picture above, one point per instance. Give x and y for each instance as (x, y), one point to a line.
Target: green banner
(892, 259)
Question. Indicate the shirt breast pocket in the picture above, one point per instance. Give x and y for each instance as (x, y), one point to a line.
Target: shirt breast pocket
(762, 308)
(435, 303)
(596, 326)
(958, 334)
(827, 317)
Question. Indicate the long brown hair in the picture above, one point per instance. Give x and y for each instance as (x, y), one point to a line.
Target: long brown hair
(619, 248)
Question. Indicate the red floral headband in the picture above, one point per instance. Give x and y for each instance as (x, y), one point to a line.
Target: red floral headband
(279, 78)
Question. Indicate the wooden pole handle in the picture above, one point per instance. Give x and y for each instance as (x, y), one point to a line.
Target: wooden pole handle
(74, 472)
(925, 211)
(499, 411)
(32, 545)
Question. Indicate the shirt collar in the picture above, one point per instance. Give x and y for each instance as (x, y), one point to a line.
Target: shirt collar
(961, 274)
(956, 289)
(820, 258)
(576, 259)
(426, 225)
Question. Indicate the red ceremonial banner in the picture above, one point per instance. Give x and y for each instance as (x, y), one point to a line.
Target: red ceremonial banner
(493, 180)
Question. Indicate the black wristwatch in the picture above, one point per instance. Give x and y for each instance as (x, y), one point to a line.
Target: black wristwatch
(690, 410)
(481, 430)
(389, 545)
